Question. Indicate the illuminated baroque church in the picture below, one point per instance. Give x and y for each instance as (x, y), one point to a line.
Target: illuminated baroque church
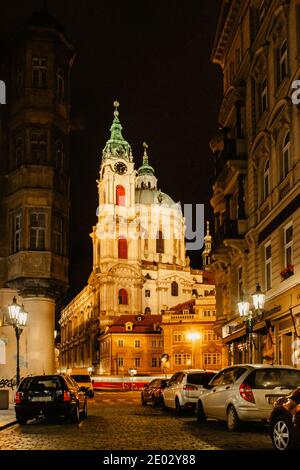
(139, 262)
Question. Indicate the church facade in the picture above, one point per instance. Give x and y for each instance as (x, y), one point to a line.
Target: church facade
(139, 259)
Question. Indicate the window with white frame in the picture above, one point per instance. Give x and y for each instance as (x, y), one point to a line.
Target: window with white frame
(286, 155)
(268, 266)
(178, 336)
(182, 359)
(38, 144)
(137, 362)
(210, 335)
(266, 179)
(137, 343)
(37, 230)
(147, 293)
(154, 362)
(211, 358)
(39, 72)
(120, 343)
(120, 361)
(16, 232)
(288, 245)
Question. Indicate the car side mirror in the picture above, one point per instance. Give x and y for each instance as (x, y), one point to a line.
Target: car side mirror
(207, 386)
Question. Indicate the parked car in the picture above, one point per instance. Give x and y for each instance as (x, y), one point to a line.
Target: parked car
(152, 392)
(184, 388)
(85, 382)
(246, 393)
(50, 395)
(285, 422)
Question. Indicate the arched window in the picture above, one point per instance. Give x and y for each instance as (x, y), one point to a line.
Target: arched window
(122, 248)
(160, 243)
(266, 179)
(120, 196)
(174, 289)
(123, 297)
(286, 155)
(147, 311)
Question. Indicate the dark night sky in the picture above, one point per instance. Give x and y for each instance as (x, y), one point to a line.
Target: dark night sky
(154, 58)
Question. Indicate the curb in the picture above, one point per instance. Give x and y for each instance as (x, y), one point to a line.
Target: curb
(7, 425)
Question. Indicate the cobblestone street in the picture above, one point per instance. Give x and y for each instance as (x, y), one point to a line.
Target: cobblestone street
(117, 421)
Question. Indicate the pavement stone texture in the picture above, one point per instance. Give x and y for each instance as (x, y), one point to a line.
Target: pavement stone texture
(117, 422)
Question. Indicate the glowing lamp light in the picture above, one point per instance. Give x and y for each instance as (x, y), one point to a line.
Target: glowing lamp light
(14, 311)
(193, 336)
(258, 298)
(243, 307)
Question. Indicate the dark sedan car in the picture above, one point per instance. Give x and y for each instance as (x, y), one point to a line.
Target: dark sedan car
(285, 422)
(51, 396)
(152, 392)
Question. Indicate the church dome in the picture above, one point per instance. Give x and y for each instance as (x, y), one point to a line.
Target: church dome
(154, 196)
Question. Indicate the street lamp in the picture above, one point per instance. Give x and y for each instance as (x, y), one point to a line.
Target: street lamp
(193, 336)
(250, 318)
(18, 319)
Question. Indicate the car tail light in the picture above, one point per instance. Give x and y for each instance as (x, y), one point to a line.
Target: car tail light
(190, 387)
(67, 395)
(18, 398)
(246, 393)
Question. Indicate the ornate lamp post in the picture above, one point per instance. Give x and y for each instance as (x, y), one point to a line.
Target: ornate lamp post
(18, 319)
(250, 317)
(193, 336)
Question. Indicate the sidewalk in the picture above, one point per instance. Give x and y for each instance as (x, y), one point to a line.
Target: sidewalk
(7, 417)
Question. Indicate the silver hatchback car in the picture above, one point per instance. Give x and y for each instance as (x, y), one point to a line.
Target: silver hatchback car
(246, 393)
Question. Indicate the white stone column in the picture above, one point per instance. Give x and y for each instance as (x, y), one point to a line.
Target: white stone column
(40, 334)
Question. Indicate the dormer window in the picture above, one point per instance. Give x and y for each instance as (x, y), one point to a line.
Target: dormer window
(129, 326)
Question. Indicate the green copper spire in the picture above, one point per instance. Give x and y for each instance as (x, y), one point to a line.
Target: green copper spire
(117, 146)
(145, 169)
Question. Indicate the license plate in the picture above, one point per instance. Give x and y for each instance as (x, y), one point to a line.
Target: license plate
(42, 399)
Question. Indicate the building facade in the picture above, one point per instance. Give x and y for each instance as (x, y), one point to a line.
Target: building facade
(189, 336)
(256, 191)
(139, 261)
(34, 189)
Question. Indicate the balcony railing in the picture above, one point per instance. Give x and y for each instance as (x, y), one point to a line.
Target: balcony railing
(229, 229)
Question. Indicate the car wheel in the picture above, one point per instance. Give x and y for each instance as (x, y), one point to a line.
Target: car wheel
(143, 400)
(75, 415)
(154, 401)
(177, 407)
(163, 404)
(84, 411)
(281, 433)
(201, 416)
(21, 419)
(233, 421)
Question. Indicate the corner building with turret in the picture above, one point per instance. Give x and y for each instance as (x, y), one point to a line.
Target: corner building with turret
(34, 189)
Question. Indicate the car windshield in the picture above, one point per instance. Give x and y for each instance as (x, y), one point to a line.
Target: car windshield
(199, 379)
(272, 378)
(81, 378)
(40, 384)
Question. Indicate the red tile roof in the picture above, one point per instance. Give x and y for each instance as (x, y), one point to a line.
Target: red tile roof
(141, 324)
